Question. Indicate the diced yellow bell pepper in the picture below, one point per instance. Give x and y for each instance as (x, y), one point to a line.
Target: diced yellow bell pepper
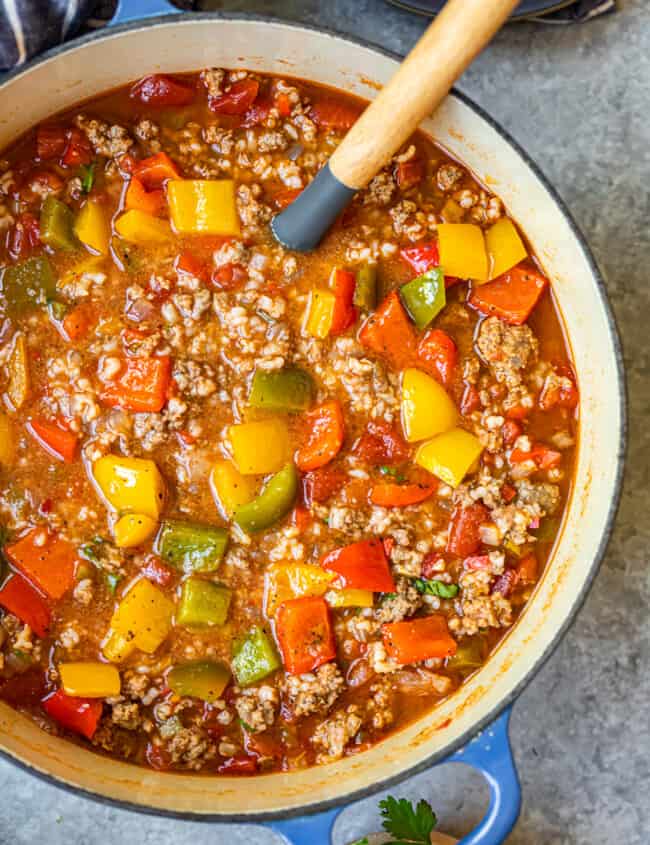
(132, 529)
(427, 408)
(142, 620)
(284, 581)
(230, 488)
(320, 313)
(462, 251)
(449, 456)
(89, 679)
(260, 447)
(505, 247)
(451, 212)
(130, 485)
(7, 443)
(92, 227)
(350, 598)
(140, 228)
(19, 380)
(203, 206)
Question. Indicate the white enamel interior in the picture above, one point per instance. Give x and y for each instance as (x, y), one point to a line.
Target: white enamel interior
(191, 44)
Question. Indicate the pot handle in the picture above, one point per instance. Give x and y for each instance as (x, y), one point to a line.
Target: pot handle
(489, 752)
(135, 10)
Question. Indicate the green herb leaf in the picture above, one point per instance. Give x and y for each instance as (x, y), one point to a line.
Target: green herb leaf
(363, 841)
(57, 309)
(87, 175)
(246, 726)
(393, 473)
(112, 581)
(436, 588)
(408, 824)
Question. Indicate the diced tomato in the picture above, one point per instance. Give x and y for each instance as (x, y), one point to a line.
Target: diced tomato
(512, 296)
(321, 484)
(55, 439)
(240, 765)
(50, 141)
(229, 277)
(361, 566)
(155, 569)
(409, 173)
(160, 90)
(527, 569)
(342, 283)
(20, 598)
(418, 639)
(126, 164)
(388, 332)
(305, 634)
(78, 321)
(437, 354)
(505, 583)
(284, 198)
(326, 432)
(46, 559)
(559, 390)
(283, 104)
(257, 113)
(334, 114)
(464, 537)
(477, 562)
(80, 715)
(26, 689)
(141, 385)
(139, 198)
(429, 564)
(44, 181)
(381, 444)
(154, 171)
(470, 400)
(518, 412)
(24, 236)
(511, 430)
(77, 149)
(540, 454)
(422, 257)
(188, 264)
(508, 493)
(392, 495)
(301, 518)
(237, 99)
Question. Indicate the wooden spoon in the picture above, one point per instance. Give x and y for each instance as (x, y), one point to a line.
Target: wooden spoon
(423, 80)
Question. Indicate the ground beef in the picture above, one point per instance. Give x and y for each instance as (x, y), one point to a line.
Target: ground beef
(400, 604)
(194, 379)
(331, 737)
(115, 739)
(448, 176)
(381, 189)
(213, 79)
(313, 692)
(379, 707)
(190, 748)
(477, 608)
(109, 141)
(507, 349)
(544, 496)
(126, 715)
(258, 707)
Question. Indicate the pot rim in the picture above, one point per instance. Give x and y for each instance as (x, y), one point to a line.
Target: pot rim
(580, 598)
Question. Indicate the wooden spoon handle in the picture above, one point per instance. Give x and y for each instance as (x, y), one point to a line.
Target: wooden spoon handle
(423, 80)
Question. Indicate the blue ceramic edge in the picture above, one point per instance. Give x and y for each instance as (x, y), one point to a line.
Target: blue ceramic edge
(132, 10)
(308, 830)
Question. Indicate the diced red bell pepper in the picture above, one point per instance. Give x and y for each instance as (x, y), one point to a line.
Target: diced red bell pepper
(56, 440)
(512, 296)
(342, 283)
(50, 141)
(20, 598)
(334, 114)
(157, 570)
(438, 354)
(141, 385)
(326, 433)
(559, 395)
(464, 538)
(541, 455)
(361, 566)
(80, 715)
(422, 257)
(26, 689)
(24, 236)
(237, 99)
(470, 401)
(46, 559)
(418, 639)
(77, 149)
(388, 494)
(321, 484)
(381, 444)
(139, 198)
(154, 171)
(229, 277)
(160, 90)
(409, 173)
(388, 332)
(305, 634)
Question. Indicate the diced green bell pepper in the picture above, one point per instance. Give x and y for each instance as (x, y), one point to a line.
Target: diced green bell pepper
(254, 657)
(191, 546)
(365, 290)
(424, 297)
(470, 654)
(274, 502)
(204, 679)
(289, 389)
(203, 604)
(31, 282)
(56, 225)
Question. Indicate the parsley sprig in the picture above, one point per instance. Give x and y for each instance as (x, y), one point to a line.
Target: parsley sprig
(87, 175)
(436, 588)
(408, 824)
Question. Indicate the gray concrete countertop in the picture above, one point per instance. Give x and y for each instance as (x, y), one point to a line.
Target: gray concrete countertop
(577, 99)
